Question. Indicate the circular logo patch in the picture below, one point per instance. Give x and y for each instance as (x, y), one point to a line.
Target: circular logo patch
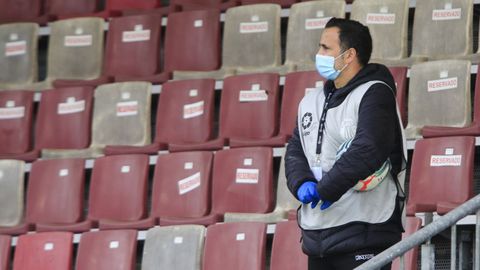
(307, 120)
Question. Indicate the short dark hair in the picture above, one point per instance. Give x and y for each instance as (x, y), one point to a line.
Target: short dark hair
(355, 35)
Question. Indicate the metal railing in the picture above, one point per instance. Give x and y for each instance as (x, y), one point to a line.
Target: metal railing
(426, 233)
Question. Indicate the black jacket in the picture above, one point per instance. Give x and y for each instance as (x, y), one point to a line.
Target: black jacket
(378, 136)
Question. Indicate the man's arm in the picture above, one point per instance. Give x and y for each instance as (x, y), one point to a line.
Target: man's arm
(373, 143)
(297, 169)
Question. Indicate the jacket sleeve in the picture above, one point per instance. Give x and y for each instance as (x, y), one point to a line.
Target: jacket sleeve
(297, 169)
(373, 143)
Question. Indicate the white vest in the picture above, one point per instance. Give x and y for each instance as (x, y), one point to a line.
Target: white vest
(374, 206)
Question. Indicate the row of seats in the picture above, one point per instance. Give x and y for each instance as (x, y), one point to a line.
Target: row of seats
(187, 188)
(188, 247)
(116, 118)
(251, 42)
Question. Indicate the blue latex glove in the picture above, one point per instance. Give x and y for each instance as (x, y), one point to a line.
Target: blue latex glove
(307, 193)
(325, 204)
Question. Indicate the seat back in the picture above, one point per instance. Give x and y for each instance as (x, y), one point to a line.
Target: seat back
(118, 188)
(5, 250)
(16, 113)
(11, 192)
(121, 114)
(388, 25)
(132, 4)
(174, 247)
(442, 29)
(249, 106)
(413, 224)
(55, 191)
(44, 251)
(287, 248)
(182, 185)
(186, 5)
(297, 85)
(133, 46)
(201, 28)
(20, 10)
(242, 181)
(227, 245)
(251, 36)
(285, 200)
(75, 49)
(444, 167)
(71, 7)
(400, 76)
(187, 105)
(18, 60)
(113, 249)
(64, 118)
(436, 87)
(305, 26)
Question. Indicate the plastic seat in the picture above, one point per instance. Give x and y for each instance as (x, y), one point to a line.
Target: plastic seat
(249, 109)
(188, 5)
(44, 251)
(75, 52)
(228, 245)
(286, 205)
(121, 122)
(126, 7)
(400, 76)
(187, 105)
(16, 113)
(71, 8)
(118, 193)
(133, 49)
(251, 42)
(201, 28)
(11, 192)
(283, 3)
(18, 65)
(54, 196)
(64, 118)
(242, 182)
(107, 250)
(5, 250)
(174, 247)
(21, 11)
(388, 25)
(410, 258)
(437, 87)
(181, 187)
(287, 248)
(471, 130)
(305, 26)
(444, 168)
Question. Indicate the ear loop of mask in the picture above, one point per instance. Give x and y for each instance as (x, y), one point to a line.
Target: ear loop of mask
(338, 57)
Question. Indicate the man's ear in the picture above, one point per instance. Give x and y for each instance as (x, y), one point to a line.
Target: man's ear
(350, 55)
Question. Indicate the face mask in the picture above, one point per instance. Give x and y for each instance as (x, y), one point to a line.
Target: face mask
(326, 66)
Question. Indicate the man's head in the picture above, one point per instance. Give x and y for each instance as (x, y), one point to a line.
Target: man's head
(349, 42)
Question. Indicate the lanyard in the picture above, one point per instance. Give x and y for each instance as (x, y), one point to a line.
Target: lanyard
(321, 126)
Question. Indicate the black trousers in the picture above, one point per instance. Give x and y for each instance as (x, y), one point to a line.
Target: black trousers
(344, 261)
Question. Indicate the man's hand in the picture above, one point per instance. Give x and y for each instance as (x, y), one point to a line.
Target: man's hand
(307, 193)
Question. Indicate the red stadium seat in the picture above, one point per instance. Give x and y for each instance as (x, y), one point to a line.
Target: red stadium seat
(107, 250)
(44, 251)
(71, 8)
(441, 174)
(400, 76)
(187, 5)
(5, 248)
(21, 11)
(287, 249)
(188, 106)
(410, 258)
(283, 3)
(235, 246)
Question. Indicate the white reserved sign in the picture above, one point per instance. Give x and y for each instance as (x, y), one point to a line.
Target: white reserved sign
(253, 27)
(442, 84)
(445, 160)
(15, 48)
(193, 109)
(134, 36)
(188, 184)
(246, 176)
(446, 14)
(253, 95)
(127, 108)
(71, 107)
(78, 41)
(12, 113)
(316, 23)
(380, 18)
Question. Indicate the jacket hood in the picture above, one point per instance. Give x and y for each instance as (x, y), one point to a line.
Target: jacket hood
(371, 72)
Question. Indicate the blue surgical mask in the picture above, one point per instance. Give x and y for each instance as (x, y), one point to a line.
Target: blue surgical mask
(326, 66)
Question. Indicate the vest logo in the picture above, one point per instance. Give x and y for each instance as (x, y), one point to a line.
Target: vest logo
(364, 257)
(307, 120)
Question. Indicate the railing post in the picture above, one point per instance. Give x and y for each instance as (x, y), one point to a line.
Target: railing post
(453, 247)
(476, 258)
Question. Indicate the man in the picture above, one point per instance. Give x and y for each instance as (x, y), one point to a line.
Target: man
(344, 225)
